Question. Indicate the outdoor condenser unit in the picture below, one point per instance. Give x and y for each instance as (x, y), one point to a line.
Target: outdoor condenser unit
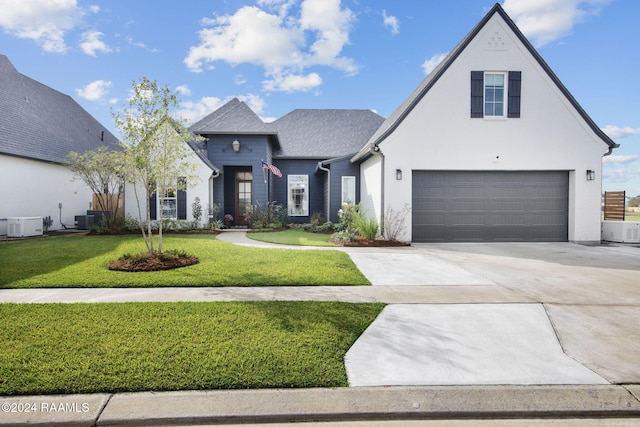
(24, 226)
(621, 231)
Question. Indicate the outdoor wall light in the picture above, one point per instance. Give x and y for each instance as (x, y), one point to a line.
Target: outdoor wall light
(591, 175)
(236, 145)
(398, 174)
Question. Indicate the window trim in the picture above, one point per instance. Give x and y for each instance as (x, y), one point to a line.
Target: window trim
(303, 182)
(345, 179)
(505, 91)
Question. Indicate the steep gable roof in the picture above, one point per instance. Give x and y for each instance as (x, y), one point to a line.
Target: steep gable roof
(394, 120)
(324, 133)
(233, 117)
(40, 123)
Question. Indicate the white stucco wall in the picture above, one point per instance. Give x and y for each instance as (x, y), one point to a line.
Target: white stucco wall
(371, 187)
(35, 188)
(550, 134)
(198, 188)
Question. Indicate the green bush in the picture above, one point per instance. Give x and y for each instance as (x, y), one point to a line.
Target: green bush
(274, 215)
(367, 227)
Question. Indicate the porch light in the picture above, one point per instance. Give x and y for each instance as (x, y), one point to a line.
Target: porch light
(398, 174)
(591, 175)
(236, 145)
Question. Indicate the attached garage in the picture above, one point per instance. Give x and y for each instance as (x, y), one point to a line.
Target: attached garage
(490, 206)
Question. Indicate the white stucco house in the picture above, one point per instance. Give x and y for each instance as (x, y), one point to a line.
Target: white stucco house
(489, 147)
(39, 126)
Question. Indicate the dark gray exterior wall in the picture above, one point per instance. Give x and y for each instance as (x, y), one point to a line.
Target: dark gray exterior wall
(316, 188)
(253, 150)
(340, 168)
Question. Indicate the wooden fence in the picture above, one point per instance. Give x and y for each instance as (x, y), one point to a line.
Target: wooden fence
(614, 205)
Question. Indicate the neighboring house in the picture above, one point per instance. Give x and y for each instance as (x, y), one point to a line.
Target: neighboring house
(490, 147)
(39, 126)
(311, 149)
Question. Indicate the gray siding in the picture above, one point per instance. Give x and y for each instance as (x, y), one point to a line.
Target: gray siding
(253, 150)
(340, 168)
(316, 190)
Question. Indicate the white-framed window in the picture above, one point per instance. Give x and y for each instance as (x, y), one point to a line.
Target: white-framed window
(170, 205)
(348, 190)
(495, 92)
(298, 195)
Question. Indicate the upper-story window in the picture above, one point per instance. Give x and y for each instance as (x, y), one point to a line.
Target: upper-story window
(494, 93)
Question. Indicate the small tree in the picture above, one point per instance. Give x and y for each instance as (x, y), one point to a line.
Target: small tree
(196, 212)
(156, 151)
(103, 170)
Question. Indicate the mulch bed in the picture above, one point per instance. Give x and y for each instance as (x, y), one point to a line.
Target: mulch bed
(152, 262)
(364, 243)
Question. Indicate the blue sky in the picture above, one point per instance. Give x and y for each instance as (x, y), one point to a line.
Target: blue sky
(278, 55)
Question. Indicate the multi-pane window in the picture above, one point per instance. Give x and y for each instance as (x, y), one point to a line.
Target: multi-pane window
(348, 189)
(170, 205)
(298, 195)
(494, 94)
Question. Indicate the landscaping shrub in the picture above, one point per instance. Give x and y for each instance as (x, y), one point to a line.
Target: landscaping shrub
(274, 215)
(367, 227)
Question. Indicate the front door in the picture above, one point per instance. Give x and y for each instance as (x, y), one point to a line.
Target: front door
(244, 196)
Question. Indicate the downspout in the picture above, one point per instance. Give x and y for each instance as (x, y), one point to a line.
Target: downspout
(214, 175)
(328, 171)
(375, 150)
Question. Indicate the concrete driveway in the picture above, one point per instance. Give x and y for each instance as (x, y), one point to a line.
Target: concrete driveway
(526, 313)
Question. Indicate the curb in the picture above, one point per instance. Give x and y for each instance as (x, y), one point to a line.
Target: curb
(322, 404)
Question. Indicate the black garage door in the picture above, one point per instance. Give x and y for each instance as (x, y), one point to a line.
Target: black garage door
(455, 206)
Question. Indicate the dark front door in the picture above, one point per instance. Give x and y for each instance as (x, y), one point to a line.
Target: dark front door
(244, 196)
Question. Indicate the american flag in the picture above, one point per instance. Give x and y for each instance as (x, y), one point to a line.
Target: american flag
(274, 170)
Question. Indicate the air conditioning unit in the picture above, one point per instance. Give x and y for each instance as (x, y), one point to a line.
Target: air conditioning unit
(621, 231)
(25, 226)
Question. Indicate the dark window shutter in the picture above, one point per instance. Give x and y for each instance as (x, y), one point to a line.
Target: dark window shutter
(477, 94)
(515, 83)
(181, 198)
(153, 205)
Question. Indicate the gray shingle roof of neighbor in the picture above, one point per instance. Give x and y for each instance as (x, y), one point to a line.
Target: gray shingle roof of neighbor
(394, 120)
(324, 134)
(38, 122)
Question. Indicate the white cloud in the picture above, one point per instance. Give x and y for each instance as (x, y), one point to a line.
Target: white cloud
(277, 42)
(91, 43)
(430, 64)
(544, 21)
(630, 158)
(95, 91)
(391, 22)
(43, 21)
(183, 90)
(293, 83)
(616, 132)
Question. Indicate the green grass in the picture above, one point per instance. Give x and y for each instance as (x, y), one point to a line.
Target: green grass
(631, 216)
(293, 236)
(87, 348)
(81, 261)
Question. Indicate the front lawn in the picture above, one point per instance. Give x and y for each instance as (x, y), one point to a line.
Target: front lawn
(81, 261)
(89, 348)
(293, 236)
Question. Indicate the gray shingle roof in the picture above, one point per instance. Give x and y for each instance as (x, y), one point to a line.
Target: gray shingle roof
(233, 117)
(41, 123)
(324, 134)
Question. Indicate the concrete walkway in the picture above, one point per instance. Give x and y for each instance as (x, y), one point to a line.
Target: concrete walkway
(494, 329)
